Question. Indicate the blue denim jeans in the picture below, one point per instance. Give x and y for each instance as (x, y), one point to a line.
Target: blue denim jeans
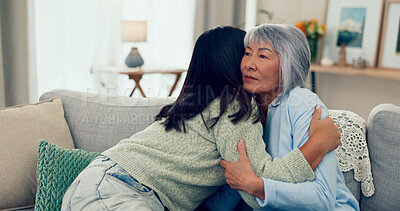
(104, 185)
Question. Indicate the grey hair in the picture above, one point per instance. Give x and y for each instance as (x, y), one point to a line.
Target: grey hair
(293, 50)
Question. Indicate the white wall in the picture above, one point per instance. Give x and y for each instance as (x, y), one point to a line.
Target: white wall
(291, 11)
(355, 93)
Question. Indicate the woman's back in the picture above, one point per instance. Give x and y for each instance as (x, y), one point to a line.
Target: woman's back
(181, 167)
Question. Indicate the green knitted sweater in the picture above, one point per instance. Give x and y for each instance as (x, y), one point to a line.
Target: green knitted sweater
(183, 168)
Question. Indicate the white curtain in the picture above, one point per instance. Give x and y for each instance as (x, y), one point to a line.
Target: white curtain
(71, 37)
(74, 35)
(31, 53)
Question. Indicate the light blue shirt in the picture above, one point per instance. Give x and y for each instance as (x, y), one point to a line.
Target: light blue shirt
(287, 128)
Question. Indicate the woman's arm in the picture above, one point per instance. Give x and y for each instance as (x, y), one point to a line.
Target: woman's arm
(324, 137)
(317, 195)
(240, 175)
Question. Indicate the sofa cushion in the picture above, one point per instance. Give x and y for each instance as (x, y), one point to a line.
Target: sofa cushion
(56, 170)
(21, 127)
(383, 132)
(98, 122)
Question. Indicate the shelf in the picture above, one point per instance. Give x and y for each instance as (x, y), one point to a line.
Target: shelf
(349, 70)
(139, 70)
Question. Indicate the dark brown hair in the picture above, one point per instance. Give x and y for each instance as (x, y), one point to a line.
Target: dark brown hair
(214, 71)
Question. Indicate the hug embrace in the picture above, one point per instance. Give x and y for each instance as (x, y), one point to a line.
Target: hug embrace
(241, 128)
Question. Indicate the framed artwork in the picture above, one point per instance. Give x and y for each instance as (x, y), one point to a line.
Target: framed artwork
(389, 52)
(355, 23)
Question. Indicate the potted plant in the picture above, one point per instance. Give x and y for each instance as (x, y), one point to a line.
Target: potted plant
(313, 31)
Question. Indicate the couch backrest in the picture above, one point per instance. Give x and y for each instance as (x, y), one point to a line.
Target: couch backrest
(98, 122)
(383, 137)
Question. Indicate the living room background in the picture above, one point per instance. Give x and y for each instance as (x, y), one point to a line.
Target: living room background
(50, 45)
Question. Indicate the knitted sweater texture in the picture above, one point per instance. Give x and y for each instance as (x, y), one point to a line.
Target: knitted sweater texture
(183, 168)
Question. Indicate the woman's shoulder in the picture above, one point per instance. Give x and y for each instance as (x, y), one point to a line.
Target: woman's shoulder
(302, 98)
(300, 101)
(301, 93)
(225, 120)
(233, 106)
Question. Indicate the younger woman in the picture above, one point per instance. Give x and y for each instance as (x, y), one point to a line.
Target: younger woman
(175, 161)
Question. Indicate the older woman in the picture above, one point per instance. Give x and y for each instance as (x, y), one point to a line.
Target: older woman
(275, 65)
(175, 161)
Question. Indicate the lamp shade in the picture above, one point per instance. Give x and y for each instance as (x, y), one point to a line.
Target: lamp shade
(134, 31)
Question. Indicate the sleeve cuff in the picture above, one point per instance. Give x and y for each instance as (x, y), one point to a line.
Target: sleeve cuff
(299, 166)
(269, 194)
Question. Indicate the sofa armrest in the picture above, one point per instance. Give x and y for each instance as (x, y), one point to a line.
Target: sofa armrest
(383, 136)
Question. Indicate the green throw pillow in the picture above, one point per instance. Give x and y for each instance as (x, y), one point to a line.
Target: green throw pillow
(56, 170)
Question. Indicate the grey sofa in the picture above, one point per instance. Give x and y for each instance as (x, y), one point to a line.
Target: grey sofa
(98, 122)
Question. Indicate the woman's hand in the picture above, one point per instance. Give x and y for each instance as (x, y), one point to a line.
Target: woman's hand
(324, 132)
(324, 137)
(240, 175)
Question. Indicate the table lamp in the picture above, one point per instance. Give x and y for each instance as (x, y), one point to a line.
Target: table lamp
(134, 31)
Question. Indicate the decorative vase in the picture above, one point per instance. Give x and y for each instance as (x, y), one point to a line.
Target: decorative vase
(134, 59)
(342, 54)
(313, 49)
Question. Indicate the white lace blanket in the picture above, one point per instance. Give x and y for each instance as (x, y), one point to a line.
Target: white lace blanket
(353, 151)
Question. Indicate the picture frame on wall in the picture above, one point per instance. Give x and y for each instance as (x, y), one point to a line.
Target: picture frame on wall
(355, 23)
(389, 52)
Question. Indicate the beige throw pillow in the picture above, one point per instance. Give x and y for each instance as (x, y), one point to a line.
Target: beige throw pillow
(21, 128)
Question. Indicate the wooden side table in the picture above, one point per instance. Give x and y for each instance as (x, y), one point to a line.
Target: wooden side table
(136, 74)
